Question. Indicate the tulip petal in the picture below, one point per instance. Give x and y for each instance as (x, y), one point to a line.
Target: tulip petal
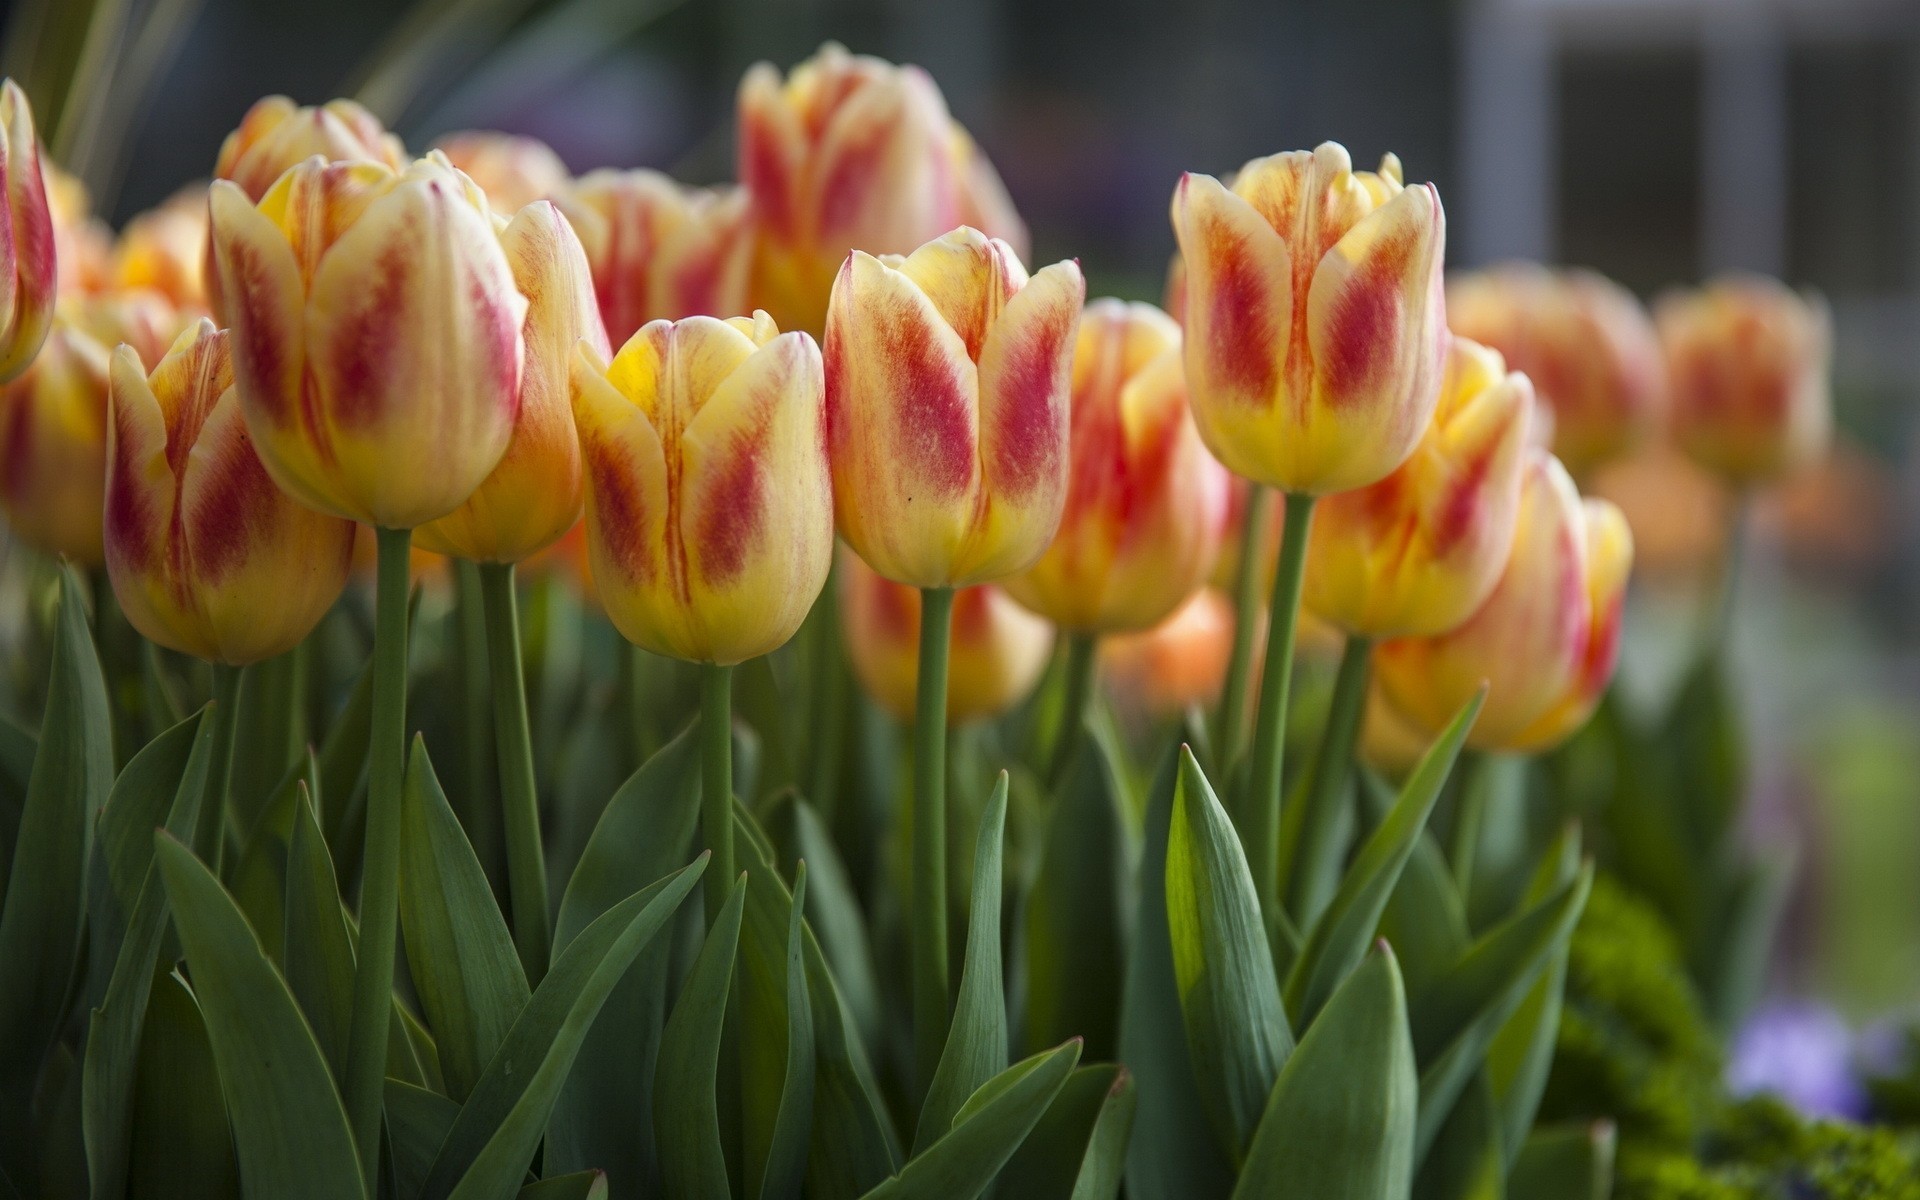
(970, 278)
(27, 266)
(627, 511)
(770, 141)
(140, 483)
(881, 171)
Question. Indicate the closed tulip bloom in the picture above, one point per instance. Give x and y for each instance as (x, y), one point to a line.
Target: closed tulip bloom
(511, 169)
(377, 340)
(534, 495)
(709, 509)
(277, 134)
(1178, 663)
(1316, 330)
(1145, 500)
(82, 242)
(28, 265)
(948, 383)
(1547, 638)
(165, 250)
(1417, 553)
(206, 555)
(997, 654)
(53, 419)
(1749, 359)
(660, 250)
(853, 153)
(1583, 340)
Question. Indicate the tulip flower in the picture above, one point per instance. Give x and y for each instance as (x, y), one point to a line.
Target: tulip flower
(1748, 359)
(948, 391)
(1545, 641)
(165, 250)
(277, 135)
(53, 420)
(28, 267)
(999, 649)
(82, 242)
(661, 251)
(852, 153)
(512, 170)
(206, 555)
(1418, 552)
(1583, 340)
(1178, 663)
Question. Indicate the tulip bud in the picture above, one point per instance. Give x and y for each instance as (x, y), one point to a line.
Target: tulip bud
(28, 267)
(82, 242)
(1748, 360)
(1547, 638)
(1178, 663)
(948, 377)
(1583, 340)
(512, 170)
(277, 135)
(1316, 331)
(53, 419)
(853, 153)
(709, 506)
(661, 251)
(1145, 501)
(377, 335)
(165, 250)
(1417, 553)
(997, 653)
(533, 496)
(206, 555)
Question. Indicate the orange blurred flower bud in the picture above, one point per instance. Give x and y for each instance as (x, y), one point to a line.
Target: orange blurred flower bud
(512, 170)
(948, 384)
(1182, 661)
(1316, 330)
(82, 242)
(29, 267)
(1145, 500)
(165, 250)
(277, 135)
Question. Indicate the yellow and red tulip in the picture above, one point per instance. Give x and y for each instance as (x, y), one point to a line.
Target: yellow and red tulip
(82, 242)
(1182, 661)
(1547, 638)
(53, 419)
(1145, 500)
(207, 556)
(165, 250)
(1749, 358)
(853, 153)
(28, 263)
(511, 169)
(997, 653)
(1416, 553)
(660, 250)
(1583, 340)
(534, 495)
(277, 135)
(1316, 328)
(709, 506)
(948, 383)
(377, 341)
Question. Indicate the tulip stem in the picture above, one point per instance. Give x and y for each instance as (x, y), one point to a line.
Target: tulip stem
(930, 995)
(716, 782)
(1262, 835)
(1230, 737)
(1718, 625)
(380, 866)
(1083, 657)
(519, 796)
(1310, 855)
(216, 809)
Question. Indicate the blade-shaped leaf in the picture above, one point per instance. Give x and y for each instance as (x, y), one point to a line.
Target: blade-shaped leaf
(288, 1125)
(1425, 920)
(1078, 1150)
(1466, 1161)
(317, 948)
(182, 1141)
(1565, 1163)
(459, 949)
(1237, 1033)
(833, 906)
(686, 1114)
(418, 1121)
(853, 1144)
(1521, 1054)
(976, 1047)
(776, 1061)
(580, 1185)
(1340, 937)
(142, 795)
(1340, 1123)
(986, 1131)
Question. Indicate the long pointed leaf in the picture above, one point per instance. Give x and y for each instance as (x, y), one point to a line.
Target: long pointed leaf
(1078, 1150)
(1565, 1163)
(777, 1061)
(686, 1111)
(1521, 1055)
(833, 907)
(317, 948)
(182, 1142)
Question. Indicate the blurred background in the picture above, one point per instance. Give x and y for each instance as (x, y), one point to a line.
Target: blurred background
(1657, 141)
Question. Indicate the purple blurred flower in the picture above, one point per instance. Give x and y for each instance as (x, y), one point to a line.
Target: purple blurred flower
(1803, 1053)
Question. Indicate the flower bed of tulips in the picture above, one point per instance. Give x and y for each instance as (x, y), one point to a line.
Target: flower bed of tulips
(552, 687)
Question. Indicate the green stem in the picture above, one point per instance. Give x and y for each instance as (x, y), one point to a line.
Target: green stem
(1230, 739)
(476, 809)
(216, 816)
(930, 995)
(1718, 624)
(716, 782)
(519, 798)
(1314, 864)
(1262, 835)
(380, 864)
(1083, 657)
(1469, 819)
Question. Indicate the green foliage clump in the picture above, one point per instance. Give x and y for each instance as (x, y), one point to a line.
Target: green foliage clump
(1759, 1149)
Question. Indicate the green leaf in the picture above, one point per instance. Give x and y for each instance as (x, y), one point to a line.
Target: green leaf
(686, 1114)
(1520, 1056)
(776, 1061)
(604, 1118)
(1467, 1161)
(581, 1185)
(270, 740)
(1340, 937)
(258, 879)
(138, 803)
(976, 1048)
(418, 1121)
(181, 1146)
(459, 949)
(72, 775)
(986, 1131)
(1074, 950)
(1237, 1032)
(343, 774)
(1173, 1154)
(1425, 919)
(288, 1126)
(833, 906)
(853, 1144)
(317, 947)
(1565, 1162)
(501, 1123)
(1078, 1150)
(1340, 1123)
